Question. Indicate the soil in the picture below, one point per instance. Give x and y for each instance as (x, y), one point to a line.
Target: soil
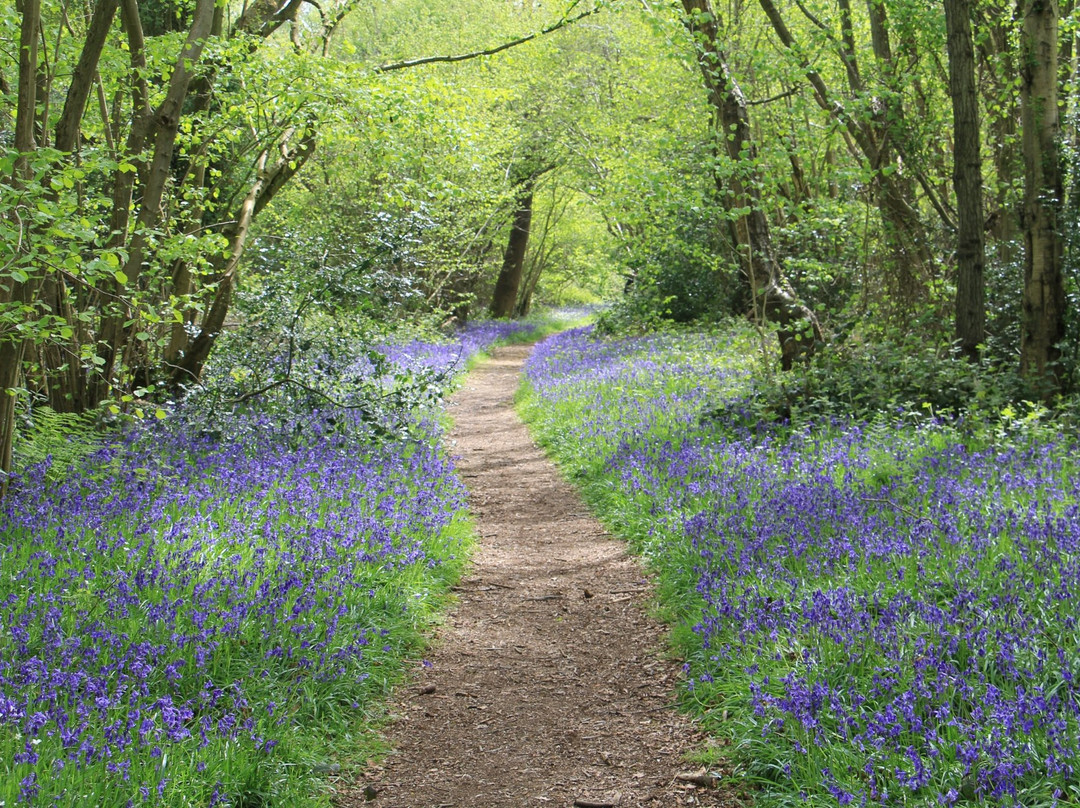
(550, 684)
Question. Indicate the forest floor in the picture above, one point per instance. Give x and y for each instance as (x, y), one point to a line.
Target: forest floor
(549, 684)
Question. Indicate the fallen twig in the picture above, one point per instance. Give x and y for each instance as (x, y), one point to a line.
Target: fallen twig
(701, 778)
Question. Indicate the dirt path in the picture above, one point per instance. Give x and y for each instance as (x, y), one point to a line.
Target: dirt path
(549, 684)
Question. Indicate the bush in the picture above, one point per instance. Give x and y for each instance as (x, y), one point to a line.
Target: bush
(861, 380)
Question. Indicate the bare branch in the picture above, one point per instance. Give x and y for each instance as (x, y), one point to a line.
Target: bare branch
(807, 13)
(461, 57)
(785, 94)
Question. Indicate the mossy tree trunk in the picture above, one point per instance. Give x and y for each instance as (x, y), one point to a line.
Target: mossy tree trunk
(772, 297)
(1044, 280)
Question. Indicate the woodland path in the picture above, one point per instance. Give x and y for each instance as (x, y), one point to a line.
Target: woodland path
(549, 684)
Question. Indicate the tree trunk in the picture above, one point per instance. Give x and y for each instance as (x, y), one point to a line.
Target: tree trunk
(997, 63)
(912, 258)
(60, 363)
(82, 79)
(166, 125)
(967, 180)
(541, 254)
(872, 142)
(770, 293)
(504, 298)
(14, 291)
(188, 368)
(1044, 280)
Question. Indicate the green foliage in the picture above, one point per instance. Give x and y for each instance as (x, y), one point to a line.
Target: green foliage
(303, 362)
(895, 380)
(681, 278)
(61, 439)
(885, 377)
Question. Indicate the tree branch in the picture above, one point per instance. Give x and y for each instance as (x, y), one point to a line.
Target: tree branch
(807, 13)
(82, 81)
(461, 57)
(940, 206)
(782, 95)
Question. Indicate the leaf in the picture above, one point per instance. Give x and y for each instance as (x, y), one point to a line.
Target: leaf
(121, 278)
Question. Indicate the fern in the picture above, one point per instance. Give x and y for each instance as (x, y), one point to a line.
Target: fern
(44, 433)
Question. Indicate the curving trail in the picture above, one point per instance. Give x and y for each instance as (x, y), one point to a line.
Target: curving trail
(549, 685)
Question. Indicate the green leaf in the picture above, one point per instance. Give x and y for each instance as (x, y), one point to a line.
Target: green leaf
(121, 278)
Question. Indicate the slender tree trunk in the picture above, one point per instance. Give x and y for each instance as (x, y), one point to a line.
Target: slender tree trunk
(1044, 280)
(530, 278)
(770, 293)
(166, 125)
(14, 291)
(967, 180)
(60, 362)
(82, 79)
(505, 295)
(524, 306)
(998, 63)
(913, 260)
(188, 367)
(872, 141)
(541, 253)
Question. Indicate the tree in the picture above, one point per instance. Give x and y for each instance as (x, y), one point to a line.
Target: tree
(771, 295)
(967, 180)
(1043, 326)
(20, 287)
(876, 135)
(504, 298)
